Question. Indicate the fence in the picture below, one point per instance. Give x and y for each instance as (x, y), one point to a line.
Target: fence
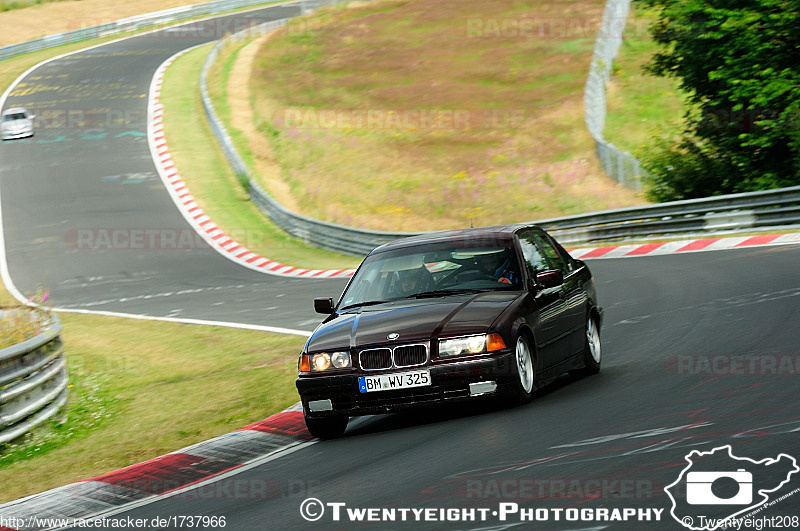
(33, 381)
(622, 167)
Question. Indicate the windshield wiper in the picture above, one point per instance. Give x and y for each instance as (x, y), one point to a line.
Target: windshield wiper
(366, 303)
(444, 292)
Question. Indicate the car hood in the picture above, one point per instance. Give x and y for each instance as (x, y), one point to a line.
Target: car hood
(17, 125)
(413, 321)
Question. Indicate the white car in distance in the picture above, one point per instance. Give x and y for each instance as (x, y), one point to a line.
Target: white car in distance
(16, 123)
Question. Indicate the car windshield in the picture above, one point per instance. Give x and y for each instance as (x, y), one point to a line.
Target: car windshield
(434, 270)
(10, 117)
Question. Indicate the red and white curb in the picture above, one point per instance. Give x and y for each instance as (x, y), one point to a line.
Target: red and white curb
(684, 246)
(192, 212)
(169, 475)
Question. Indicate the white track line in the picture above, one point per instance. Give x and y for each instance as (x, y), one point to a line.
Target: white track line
(205, 322)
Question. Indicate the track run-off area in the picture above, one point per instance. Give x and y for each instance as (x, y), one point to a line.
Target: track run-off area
(700, 348)
(69, 189)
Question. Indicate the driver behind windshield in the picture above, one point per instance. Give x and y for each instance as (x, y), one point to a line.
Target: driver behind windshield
(499, 267)
(412, 281)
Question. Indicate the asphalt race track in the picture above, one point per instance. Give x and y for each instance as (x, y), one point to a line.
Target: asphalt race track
(700, 349)
(674, 329)
(88, 172)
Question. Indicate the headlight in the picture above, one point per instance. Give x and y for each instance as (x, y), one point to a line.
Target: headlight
(323, 361)
(341, 360)
(478, 344)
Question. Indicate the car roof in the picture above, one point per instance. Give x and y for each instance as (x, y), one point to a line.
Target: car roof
(501, 232)
(14, 110)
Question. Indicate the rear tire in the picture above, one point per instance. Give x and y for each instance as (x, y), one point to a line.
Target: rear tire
(326, 427)
(524, 382)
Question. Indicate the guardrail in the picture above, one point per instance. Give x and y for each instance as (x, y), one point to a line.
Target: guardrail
(33, 381)
(134, 23)
(620, 166)
(331, 236)
(751, 210)
(734, 212)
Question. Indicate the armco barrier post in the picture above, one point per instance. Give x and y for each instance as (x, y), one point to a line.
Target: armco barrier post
(33, 380)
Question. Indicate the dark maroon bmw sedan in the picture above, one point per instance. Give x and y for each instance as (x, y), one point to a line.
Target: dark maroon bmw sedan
(495, 311)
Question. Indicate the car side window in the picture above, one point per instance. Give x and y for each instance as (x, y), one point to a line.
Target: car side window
(534, 260)
(551, 252)
(569, 262)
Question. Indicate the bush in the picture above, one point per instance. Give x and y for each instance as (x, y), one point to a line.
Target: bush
(737, 62)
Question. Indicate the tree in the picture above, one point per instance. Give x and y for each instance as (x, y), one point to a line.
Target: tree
(739, 63)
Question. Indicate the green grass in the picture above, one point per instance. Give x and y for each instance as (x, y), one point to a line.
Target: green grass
(141, 389)
(124, 372)
(218, 92)
(211, 181)
(8, 5)
(640, 106)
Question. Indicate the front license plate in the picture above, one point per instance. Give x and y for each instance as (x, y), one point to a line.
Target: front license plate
(389, 382)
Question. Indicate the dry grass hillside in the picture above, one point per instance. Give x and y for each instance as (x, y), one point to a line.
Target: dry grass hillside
(413, 115)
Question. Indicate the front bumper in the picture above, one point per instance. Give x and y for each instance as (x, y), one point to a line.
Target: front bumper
(449, 382)
(10, 135)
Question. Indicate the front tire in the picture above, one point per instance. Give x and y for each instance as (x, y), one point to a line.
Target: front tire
(524, 383)
(326, 427)
(592, 351)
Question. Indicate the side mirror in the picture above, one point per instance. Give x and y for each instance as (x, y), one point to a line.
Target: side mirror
(32, 117)
(323, 305)
(550, 279)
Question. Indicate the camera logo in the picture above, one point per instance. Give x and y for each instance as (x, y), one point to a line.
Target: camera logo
(716, 487)
(700, 485)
